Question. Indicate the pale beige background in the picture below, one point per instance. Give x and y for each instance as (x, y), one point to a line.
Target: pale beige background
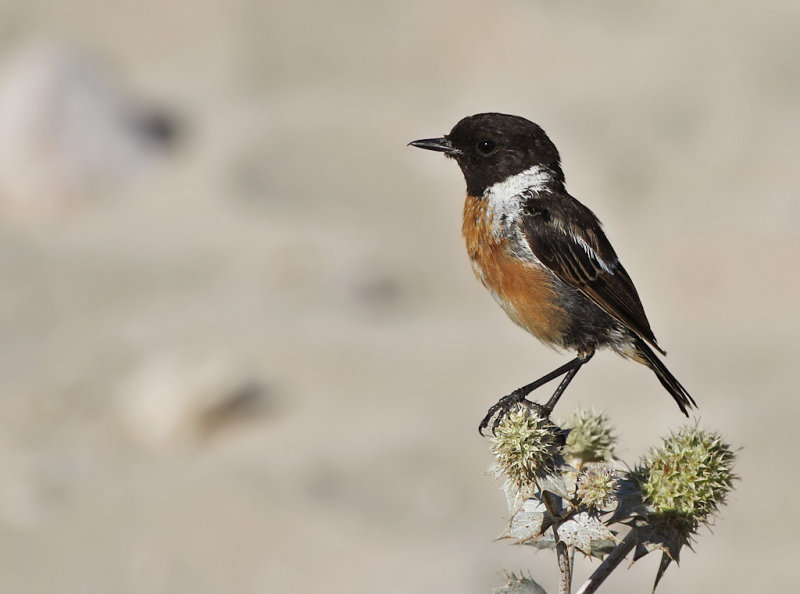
(295, 237)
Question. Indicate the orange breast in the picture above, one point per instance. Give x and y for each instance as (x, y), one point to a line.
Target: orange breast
(522, 288)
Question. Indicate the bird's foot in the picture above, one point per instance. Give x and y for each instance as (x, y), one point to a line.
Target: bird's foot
(504, 406)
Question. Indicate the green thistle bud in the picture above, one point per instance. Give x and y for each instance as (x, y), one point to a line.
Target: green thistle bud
(590, 439)
(526, 446)
(687, 479)
(597, 486)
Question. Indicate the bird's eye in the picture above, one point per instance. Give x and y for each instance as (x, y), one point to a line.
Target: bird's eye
(486, 147)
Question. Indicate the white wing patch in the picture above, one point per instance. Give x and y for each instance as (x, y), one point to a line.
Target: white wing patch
(590, 251)
(593, 254)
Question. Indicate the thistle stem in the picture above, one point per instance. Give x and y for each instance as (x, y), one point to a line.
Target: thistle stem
(562, 551)
(564, 566)
(609, 564)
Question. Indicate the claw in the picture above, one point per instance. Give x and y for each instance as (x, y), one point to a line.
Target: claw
(503, 407)
(568, 370)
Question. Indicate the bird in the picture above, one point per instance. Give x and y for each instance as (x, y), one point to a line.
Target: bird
(543, 255)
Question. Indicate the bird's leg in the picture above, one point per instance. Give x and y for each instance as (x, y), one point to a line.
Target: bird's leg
(506, 403)
(551, 404)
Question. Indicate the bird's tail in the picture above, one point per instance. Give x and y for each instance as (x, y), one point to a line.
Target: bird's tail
(673, 386)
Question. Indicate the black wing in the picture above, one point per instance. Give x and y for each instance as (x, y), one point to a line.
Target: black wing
(567, 238)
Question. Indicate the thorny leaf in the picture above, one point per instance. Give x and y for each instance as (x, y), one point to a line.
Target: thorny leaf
(519, 585)
(530, 521)
(653, 533)
(544, 541)
(630, 504)
(651, 538)
(586, 533)
(662, 568)
(554, 481)
(515, 497)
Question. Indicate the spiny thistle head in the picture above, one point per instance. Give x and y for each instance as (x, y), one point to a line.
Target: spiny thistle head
(687, 479)
(590, 439)
(526, 445)
(597, 486)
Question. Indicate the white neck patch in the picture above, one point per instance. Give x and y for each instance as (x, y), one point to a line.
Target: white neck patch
(505, 198)
(531, 180)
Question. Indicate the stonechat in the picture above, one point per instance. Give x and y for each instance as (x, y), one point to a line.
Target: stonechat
(543, 255)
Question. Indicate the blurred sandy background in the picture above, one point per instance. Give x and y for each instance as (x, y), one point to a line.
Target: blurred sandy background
(242, 348)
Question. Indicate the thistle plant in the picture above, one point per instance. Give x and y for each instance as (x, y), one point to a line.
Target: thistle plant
(590, 439)
(597, 487)
(527, 449)
(567, 491)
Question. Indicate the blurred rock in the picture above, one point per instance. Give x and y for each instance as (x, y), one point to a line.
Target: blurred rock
(182, 397)
(376, 291)
(69, 132)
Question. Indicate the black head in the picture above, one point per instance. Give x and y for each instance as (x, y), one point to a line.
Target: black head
(490, 147)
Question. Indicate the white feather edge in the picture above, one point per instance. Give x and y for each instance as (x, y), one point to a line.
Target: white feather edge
(505, 201)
